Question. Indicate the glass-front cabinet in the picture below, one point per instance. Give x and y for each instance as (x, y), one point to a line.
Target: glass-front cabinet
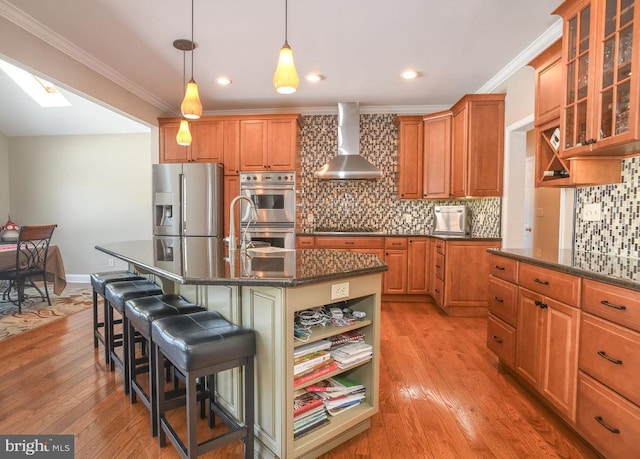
(600, 57)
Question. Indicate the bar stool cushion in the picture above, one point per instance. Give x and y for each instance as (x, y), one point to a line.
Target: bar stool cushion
(117, 293)
(100, 280)
(141, 312)
(201, 339)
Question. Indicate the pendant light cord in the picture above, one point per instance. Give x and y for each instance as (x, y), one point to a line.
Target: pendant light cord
(286, 21)
(193, 45)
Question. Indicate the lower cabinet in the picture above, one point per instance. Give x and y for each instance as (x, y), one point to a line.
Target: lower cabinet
(576, 342)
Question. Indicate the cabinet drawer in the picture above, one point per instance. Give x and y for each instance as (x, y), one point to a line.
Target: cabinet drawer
(439, 266)
(501, 340)
(504, 268)
(606, 420)
(611, 354)
(617, 304)
(323, 242)
(438, 292)
(502, 299)
(305, 242)
(554, 284)
(398, 243)
(439, 246)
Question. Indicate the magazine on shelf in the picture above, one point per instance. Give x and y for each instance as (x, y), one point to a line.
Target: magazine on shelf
(342, 408)
(305, 401)
(313, 411)
(305, 430)
(316, 374)
(353, 336)
(309, 361)
(335, 387)
(320, 345)
(352, 349)
(314, 368)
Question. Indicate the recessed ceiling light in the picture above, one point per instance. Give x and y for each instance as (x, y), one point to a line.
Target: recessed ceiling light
(409, 74)
(314, 77)
(223, 81)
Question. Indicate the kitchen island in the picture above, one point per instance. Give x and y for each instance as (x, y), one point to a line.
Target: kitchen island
(263, 289)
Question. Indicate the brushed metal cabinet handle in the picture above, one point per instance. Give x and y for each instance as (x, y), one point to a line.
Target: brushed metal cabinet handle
(600, 421)
(614, 306)
(604, 355)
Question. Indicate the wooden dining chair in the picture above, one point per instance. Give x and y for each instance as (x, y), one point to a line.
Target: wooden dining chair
(31, 260)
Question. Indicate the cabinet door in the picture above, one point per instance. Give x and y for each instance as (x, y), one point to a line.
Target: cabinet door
(282, 144)
(395, 279)
(548, 81)
(466, 274)
(208, 141)
(231, 147)
(418, 266)
(578, 73)
(253, 145)
(485, 147)
(437, 156)
(432, 267)
(170, 151)
(459, 152)
(560, 356)
(409, 157)
(529, 336)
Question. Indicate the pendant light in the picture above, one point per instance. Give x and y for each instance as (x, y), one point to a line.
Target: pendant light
(191, 107)
(183, 137)
(285, 78)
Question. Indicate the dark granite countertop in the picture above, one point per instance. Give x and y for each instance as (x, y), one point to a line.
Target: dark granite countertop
(621, 271)
(397, 234)
(201, 260)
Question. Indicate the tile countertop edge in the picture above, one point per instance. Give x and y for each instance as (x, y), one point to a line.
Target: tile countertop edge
(562, 261)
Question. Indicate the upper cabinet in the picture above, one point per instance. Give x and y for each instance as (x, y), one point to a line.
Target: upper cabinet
(548, 84)
(269, 143)
(437, 155)
(477, 148)
(410, 156)
(600, 60)
(246, 143)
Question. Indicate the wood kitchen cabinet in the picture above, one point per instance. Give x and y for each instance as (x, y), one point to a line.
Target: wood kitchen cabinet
(477, 146)
(502, 299)
(462, 269)
(418, 263)
(206, 146)
(599, 115)
(396, 257)
(231, 147)
(410, 157)
(269, 143)
(436, 170)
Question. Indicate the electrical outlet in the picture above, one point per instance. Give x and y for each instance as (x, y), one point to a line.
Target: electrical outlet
(112, 262)
(592, 212)
(339, 290)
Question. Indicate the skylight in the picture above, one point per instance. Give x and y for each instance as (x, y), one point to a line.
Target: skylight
(42, 91)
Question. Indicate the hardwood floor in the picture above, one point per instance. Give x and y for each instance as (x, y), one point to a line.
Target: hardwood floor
(443, 395)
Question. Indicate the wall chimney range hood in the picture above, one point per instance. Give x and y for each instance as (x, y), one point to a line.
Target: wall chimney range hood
(348, 164)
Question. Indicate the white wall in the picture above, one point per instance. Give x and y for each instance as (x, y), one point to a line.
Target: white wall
(4, 179)
(97, 189)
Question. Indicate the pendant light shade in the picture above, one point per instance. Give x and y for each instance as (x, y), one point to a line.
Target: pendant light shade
(184, 135)
(285, 78)
(191, 107)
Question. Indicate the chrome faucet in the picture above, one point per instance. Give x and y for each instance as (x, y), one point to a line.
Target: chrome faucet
(231, 239)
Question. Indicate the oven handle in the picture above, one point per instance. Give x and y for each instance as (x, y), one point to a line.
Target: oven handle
(268, 187)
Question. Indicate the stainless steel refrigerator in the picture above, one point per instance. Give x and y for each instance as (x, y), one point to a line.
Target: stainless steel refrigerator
(188, 199)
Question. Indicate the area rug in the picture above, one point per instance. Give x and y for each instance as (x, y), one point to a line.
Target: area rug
(36, 312)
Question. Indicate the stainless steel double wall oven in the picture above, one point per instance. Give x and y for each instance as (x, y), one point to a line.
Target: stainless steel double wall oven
(274, 196)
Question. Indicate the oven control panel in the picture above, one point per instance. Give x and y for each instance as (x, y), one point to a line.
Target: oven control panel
(267, 178)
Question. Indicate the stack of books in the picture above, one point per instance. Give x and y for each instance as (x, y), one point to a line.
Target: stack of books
(309, 413)
(339, 393)
(352, 354)
(312, 361)
(353, 336)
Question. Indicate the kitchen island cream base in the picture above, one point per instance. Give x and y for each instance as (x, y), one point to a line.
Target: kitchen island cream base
(270, 312)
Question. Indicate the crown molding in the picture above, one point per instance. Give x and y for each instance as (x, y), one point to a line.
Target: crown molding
(50, 37)
(333, 110)
(536, 47)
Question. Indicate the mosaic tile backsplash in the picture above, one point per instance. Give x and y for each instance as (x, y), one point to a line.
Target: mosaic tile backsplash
(371, 204)
(618, 232)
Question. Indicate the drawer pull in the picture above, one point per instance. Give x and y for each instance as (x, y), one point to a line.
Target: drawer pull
(501, 268)
(614, 306)
(499, 300)
(437, 266)
(604, 355)
(540, 304)
(609, 428)
(349, 243)
(437, 291)
(543, 282)
(496, 339)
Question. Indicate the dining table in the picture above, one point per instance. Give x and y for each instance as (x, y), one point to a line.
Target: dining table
(54, 269)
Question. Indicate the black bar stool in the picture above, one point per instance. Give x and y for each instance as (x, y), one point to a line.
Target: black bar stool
(200, 345)
(117, 294)
(98, 283)
(141, 312)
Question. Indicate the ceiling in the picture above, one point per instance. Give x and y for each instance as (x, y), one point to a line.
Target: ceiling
(360, 46)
